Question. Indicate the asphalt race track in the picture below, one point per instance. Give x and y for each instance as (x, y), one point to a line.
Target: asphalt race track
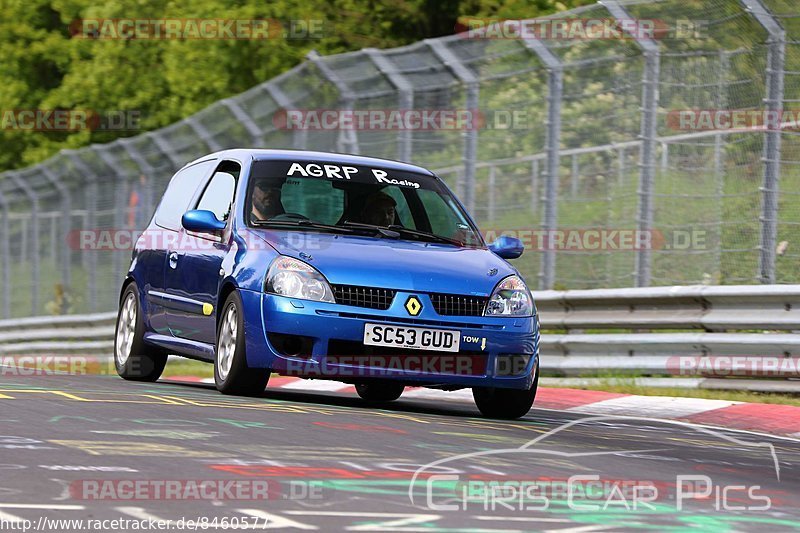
(73, 446)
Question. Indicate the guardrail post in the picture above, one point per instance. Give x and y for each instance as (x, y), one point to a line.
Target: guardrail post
(473, 91)
(405, 95)
(348, 139)
(647, 155)
(555, 89)
(5, 259)
(35, 267)
(65, 226)
(776, 54)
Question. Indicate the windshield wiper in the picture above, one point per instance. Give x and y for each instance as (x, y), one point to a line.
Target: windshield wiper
(382, 230)
(300, 223)
(426, 234)
(394, 228)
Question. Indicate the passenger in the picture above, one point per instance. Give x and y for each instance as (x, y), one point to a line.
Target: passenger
(379, 209)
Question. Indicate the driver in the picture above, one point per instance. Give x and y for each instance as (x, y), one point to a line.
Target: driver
(379, 209)
(266, 201)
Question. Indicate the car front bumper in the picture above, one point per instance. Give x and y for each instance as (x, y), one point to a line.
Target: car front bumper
(494, 351)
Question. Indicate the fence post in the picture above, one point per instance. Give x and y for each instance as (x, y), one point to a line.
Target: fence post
(472, 83)
(90, 201)
(66, 215)
(492, 196)
(776, 53)
(163, 145)
(348, 139)
(300, 136)
(719, 176)
(405, 95)
(245, 119)
(121, 213)
(534, 185)
(647, 153)
(35, 270)
(555, 89)
(203, 134)
(5, 259)
(573, 185)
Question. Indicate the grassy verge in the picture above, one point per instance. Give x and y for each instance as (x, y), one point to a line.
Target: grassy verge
(187, 367)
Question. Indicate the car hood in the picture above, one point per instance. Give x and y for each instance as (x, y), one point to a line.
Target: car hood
(393, 264)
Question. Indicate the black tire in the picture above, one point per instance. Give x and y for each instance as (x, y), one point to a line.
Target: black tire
(506, 404)
(380, 391)
(235, 377)
(133, 359)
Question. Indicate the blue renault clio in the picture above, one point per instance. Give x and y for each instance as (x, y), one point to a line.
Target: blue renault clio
(327, 266)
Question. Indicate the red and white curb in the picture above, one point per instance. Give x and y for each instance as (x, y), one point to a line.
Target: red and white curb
(774, 419)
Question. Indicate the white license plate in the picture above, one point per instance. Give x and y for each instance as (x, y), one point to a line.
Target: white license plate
(442, 340)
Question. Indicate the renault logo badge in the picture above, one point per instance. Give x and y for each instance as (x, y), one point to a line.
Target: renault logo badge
(413, 306)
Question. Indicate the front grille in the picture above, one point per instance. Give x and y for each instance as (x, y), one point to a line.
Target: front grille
(369, 297)
(459, 305)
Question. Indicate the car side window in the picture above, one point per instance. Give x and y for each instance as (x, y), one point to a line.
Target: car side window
(179, 194)
(218, 196)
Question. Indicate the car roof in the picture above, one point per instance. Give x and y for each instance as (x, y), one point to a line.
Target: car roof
(310, 155)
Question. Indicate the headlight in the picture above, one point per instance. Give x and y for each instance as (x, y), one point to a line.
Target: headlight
(510, 298)
(295, 279)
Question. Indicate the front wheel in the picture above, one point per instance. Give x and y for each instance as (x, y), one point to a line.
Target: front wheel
(380, 391)
(506, 403)
(231, 373)
(133, 359)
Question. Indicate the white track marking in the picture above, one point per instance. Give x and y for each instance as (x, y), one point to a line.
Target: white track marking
(316, 385)
(652, 406)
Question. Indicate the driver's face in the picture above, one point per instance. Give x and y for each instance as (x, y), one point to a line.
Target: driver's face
(263, 199)
(381, 214)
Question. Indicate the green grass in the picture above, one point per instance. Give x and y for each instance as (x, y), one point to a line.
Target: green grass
(187, 367)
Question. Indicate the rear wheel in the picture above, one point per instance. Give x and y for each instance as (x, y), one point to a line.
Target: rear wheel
(506, 403)
(380, 391)
(133, 359)
(231, 373)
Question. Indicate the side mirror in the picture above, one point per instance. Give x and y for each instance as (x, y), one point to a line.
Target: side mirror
(507, 247)
(202, 221)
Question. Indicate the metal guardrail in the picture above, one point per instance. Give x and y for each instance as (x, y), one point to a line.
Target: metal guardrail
(755, 324)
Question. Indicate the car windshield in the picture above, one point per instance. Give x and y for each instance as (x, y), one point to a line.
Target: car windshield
(345, 198)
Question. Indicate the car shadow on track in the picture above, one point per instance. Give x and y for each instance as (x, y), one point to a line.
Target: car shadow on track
(424, 406)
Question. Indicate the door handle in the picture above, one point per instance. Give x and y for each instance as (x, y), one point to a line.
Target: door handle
(173, 260)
